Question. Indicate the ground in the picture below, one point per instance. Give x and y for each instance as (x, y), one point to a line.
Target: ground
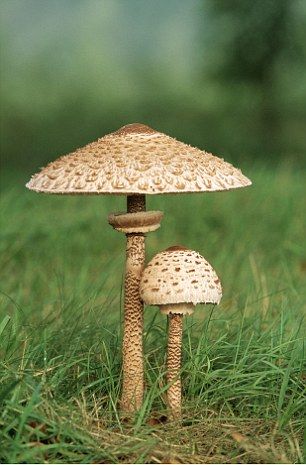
(244, 367)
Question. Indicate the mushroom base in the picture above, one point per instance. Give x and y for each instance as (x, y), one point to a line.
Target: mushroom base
(179, 309)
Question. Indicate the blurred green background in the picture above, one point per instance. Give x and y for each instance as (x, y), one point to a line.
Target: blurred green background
(227, 76)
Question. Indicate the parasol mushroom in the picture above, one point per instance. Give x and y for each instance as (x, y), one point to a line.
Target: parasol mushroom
(176, 280)
(134, 161)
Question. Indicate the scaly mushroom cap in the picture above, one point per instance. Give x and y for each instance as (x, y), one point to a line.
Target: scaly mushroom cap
(137, 160)
(179, 275)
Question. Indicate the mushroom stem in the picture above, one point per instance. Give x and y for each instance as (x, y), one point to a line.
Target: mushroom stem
(174, 394)
(136, 203)
(133, 371)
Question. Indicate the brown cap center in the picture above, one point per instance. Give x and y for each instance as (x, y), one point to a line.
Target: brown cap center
(135, 128)
(176, 247)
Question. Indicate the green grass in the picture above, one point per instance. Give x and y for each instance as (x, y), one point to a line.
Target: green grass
(244, 367)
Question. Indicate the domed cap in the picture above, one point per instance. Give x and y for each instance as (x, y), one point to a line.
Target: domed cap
(137, 160)
(179, 275)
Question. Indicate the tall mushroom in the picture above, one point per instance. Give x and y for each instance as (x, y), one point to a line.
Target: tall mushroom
(176, 280)
(134, 161)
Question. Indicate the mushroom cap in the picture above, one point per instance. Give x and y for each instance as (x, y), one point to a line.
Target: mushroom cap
(136, 159)
(179, 275)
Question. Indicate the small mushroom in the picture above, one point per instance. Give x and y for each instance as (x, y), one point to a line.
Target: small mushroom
(176, 280)
(134, 161)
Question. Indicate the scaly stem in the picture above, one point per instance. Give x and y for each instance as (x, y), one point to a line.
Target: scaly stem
(133, 371)
(174, 394)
